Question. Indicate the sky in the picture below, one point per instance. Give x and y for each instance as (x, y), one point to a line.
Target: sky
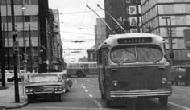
(77, 23)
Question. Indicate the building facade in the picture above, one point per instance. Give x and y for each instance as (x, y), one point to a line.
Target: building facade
(55, 43)
(31, 29)
(100, 36)
(100, 32)
(26, 25)
(168, 18)
(126, 12)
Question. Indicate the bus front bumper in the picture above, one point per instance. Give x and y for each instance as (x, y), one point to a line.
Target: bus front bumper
(139, 93)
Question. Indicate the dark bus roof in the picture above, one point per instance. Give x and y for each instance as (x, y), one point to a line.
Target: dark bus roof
(112, 39)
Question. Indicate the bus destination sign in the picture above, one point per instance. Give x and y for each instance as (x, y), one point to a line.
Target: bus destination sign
(135, 40)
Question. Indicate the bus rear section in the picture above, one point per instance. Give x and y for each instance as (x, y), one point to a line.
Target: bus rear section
(81, 69)
(133, 68)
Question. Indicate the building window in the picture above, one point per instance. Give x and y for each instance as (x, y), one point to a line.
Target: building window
(34, 18)
(27, 18)
(17, 2)
(26, 2)
(31, 2)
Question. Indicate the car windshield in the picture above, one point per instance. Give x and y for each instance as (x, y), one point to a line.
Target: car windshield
(44, 78)
(143, 53)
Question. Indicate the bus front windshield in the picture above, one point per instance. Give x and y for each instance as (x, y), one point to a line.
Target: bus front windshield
(133, 53)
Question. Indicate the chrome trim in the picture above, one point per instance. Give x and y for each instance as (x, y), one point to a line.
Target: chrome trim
(50, 92)
(139, 93)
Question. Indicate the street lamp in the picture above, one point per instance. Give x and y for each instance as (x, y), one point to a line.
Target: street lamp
(170, 38)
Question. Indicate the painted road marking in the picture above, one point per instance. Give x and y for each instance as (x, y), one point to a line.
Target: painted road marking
(96, 102)
(90, 95)
(84, 87)
(86, 90)
(180, 106)
(75, 81)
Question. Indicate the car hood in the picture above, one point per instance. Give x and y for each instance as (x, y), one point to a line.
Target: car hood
(44, 84)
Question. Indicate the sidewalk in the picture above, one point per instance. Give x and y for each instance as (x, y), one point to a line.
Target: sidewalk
(181, 95)
(7, 97)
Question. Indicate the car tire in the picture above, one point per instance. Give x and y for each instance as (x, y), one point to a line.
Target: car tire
(60, 97)
(80, 74)
(163, 101)
(110, 103)
(30, 99)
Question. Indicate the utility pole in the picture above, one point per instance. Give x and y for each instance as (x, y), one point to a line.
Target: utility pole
(7, 35)
(2, 50)
(171, 53)
(31, 53)
(15, 53)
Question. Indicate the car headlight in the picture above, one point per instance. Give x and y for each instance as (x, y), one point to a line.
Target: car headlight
(26, 90)
(58, 88)
(29, 90)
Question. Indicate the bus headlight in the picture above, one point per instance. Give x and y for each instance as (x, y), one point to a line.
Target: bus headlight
(114, 83)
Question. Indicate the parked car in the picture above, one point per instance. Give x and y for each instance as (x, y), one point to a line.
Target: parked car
(47, 85)
(10, 75)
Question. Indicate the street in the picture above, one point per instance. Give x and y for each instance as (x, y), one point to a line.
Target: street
(85, 95)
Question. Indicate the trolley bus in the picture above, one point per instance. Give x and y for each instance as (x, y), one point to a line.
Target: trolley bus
(81, 69)
(132, 66)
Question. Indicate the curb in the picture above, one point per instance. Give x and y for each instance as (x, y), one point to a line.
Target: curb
(17, 106)
(25, 103)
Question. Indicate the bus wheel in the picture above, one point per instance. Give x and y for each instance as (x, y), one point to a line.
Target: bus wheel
(60, 97)
(31, 98)
(163, 101)
(111, 103)
(80, 74)
(103, 95)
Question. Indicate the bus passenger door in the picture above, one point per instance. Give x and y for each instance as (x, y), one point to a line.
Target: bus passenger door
(104, 60)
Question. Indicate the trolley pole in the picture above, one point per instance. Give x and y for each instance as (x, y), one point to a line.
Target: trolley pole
(15, 53)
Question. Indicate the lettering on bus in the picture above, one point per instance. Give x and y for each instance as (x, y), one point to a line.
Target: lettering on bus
(135, 40)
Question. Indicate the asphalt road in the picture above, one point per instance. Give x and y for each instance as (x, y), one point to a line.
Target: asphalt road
(85, 95)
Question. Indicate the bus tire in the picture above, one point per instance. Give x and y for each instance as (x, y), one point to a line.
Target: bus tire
(30, 98)
(103, 95)
(60, 97)
(111, 103)
(80, 74)
(163, 101)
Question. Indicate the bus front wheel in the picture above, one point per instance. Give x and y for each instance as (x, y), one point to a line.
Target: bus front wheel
(163, 101)
(110, 103)
(103, 95)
